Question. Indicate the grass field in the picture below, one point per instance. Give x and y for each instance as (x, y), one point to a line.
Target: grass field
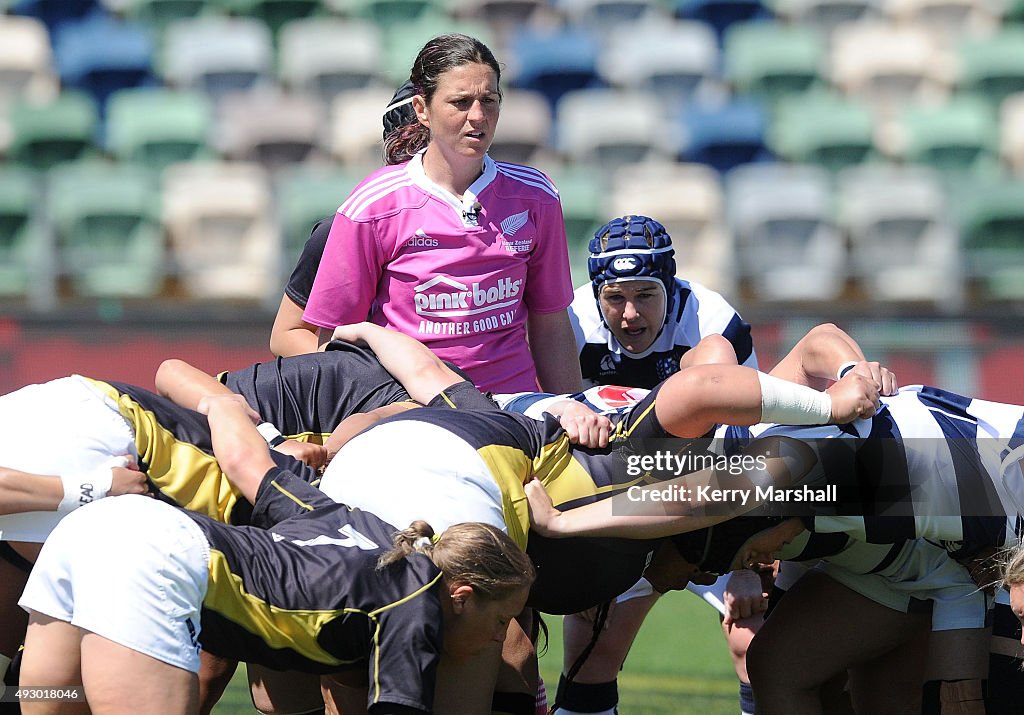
(679, 665)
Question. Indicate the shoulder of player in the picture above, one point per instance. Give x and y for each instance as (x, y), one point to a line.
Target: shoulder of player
(523, 183)
(385, 192)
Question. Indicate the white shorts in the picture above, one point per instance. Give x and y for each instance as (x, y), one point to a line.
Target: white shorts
(128, 568)
(713, 595)
(62, 426)
(926, 572)
(403, 471)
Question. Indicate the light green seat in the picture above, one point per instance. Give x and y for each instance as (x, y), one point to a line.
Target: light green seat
(992, 223)
(961, 136)
(584, 204)
(273, 13)
(158, 14)
(402, 42)
(109, 240)
(157, 127)
(822, 129)
(993, 67)
(44, 135)
(769, 60)
(305, 196)
(389, 14)
(23, 246)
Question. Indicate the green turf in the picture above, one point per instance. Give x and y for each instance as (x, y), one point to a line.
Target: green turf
(679, 665)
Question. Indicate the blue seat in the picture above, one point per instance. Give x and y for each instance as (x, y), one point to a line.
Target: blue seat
(720, 14)
(101, 55)
(724, 136)
(54, 13)
(554, 63)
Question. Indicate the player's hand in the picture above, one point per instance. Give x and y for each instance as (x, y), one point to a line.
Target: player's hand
(216, 402)
(543, 514)
(351, 333)
(744, 596)
(883, 377)
(313, 455)
(127, 478)
(761, 548)
(854, 397)
(582, 425)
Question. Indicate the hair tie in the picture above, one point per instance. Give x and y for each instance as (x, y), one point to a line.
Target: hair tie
(422, 543)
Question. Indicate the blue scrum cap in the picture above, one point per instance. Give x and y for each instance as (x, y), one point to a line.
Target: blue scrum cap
(632, 248)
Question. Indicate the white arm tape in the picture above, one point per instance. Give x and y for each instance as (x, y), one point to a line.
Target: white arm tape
(270, 433)
(787, 403)
(83, 487)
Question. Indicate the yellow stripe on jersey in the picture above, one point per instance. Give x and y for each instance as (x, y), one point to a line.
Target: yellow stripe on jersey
(296, 630)
(291, 496)
(622, 433)
(376, 631)
(186, 474)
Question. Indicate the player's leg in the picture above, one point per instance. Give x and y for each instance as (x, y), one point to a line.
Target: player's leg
(14, 570)
(515, 691)
(466, 686)
(277, 693)
(1006, 660)
(818, 630)
(956, 673)
(891, 682)
(711, 350)
(53, 657)
(594, 688)
(214, 675)
(738, 637)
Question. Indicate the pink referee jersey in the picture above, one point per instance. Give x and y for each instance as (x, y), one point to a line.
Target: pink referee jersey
(458, 275)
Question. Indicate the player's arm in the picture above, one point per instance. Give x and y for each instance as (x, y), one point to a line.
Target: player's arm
(291, 335)
(422, 374)
(818, 357)
(242, 452)
(553, 347)
(634, 514)
(187, 386)
(24, 491)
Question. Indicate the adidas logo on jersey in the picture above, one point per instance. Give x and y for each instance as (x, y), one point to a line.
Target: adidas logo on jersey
(420, 239)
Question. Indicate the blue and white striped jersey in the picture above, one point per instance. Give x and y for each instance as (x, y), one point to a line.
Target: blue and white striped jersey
(930, 464)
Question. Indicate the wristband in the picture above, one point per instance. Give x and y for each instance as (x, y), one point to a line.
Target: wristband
(786, 402)
(845, 368)
(84, 487)
(270, 433)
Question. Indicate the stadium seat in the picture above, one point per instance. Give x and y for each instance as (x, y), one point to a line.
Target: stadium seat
(992, 217)
(554, 63)
(904, 247)
(503, 16)
(327, 56)
(270, 127)
(217, 55)
(607, 16)
(222, 238)
(825, 15)
(676, 61)
(721, 15)
(787, 244)
(157, 127)
(769, 60)
(54, 13)
(304, 196)
(158, 14)
(108, 236)
(1012, 132)
(275, 13)
(724, 136)
(43, 135)
(26, 62)
(948, 18)
(993, 67)
(102, 55)
(24, 246)
(605, 128)
(392, 13)
(890, 66)
(961, 136)
(524, 128)
(688, 200)
(356, 128)
(823, 129)
(584, 197)
(403, 42)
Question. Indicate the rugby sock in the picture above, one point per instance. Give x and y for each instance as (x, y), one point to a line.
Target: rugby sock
(542, 697)
(746, 699)
(513, 704)
(1005, 685)
(592, 698)
(954, 697)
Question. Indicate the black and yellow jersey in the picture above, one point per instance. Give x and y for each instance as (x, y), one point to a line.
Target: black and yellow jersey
(306, 396)
(517, 448)
(176, 453)
(303, 593)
